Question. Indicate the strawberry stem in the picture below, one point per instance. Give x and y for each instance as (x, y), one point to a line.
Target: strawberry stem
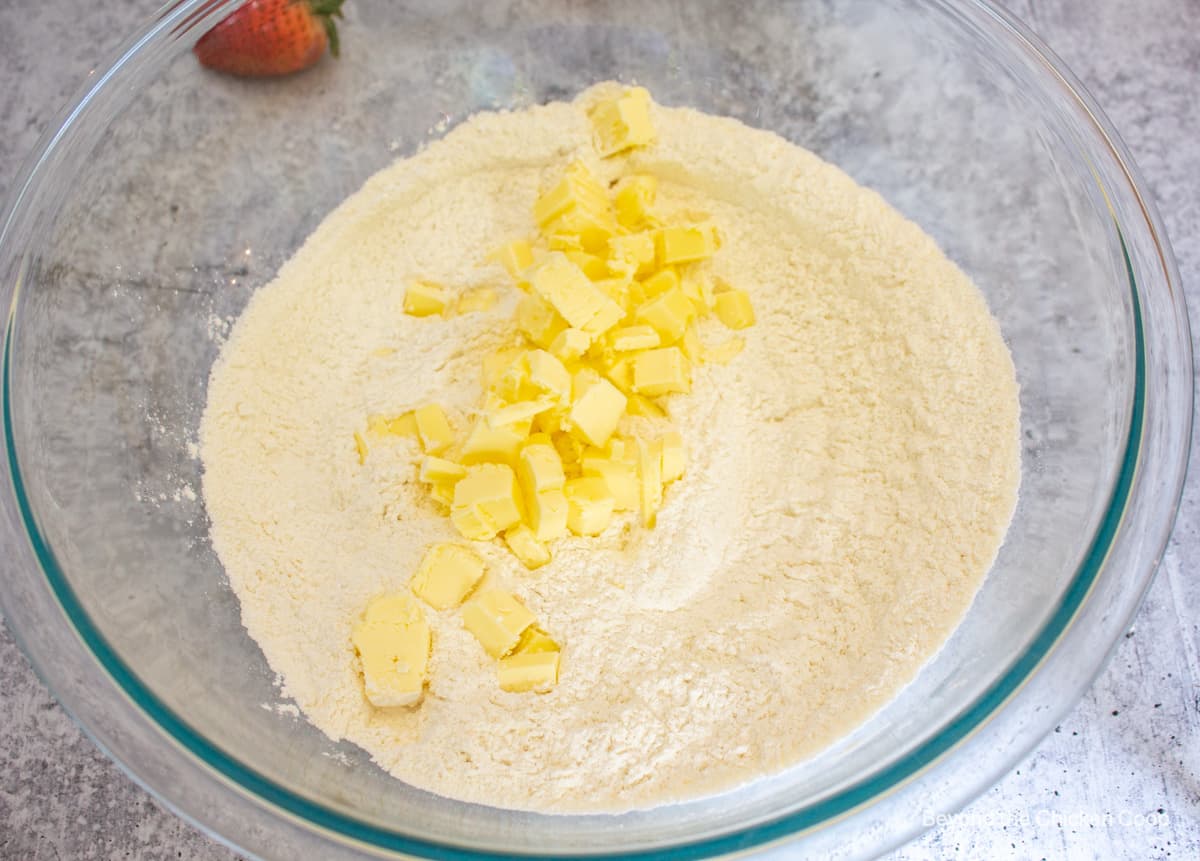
(327, 11)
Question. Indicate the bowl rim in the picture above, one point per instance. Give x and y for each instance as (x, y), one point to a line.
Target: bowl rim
(193, 15)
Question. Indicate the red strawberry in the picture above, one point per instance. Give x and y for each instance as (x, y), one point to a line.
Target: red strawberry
(271, 37)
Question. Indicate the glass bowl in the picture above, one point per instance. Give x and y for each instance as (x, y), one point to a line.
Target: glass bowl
(168, 194)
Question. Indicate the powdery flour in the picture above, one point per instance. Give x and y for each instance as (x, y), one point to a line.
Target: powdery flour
(850, 476)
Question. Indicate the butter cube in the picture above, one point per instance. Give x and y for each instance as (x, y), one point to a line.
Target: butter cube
(650, 480)
(487, 501)
(401, 425)
(424, 299)
(393, 642)
(619, 477)
(592, 266)
(547, 513)
(569, 449)
(640, 405)
(660, 282)
(479, 299)
(589, 505)
(734, 309)
(669, 314)
(447, 575)
(519, 415)
(538, 321)
(595, 413)
(629, 338)
(725, 353)
(563, 284)
(547, 373)
(620, 372)
(539, 468)
(634, 200)
(570, 344)
(623, 122)
(534, 671)
(630, 255)
(360, 448)
(488, 444)
(515, 257)
(578, 189)
(497, 363)
(686, 244)
(674, 456)
(525, 546)
(535, 641)
(436, 470)
(661, 371)
(433, 428)
(497, 619)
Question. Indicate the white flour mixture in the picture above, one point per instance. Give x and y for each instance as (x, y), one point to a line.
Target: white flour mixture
(850, 475)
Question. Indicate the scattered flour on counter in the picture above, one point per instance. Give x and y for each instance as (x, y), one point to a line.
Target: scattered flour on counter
(850, 475)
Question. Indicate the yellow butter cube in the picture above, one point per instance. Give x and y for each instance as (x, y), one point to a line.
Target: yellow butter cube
(433, 428)
(535, 641)
(538, 321)
(570, 345)
(640, 405)
(734, 309)
(642, 337)
(393, 643)
(547, 374)
(547, 514)
(497, 619)
(479, 299)
(623, 122)
(401, 425)
(660, 282)
(589, 505)
(564, 242)
(515, 257)
(447, 575)
(620, 372)
(487, 501)
(660, 372)
(630, 255)
(592, 266)
(634, 200)
(518, 416)
(525, 546)
(539, 468)
(725, 353)
(488, 444)
(649, 480)
(563, 284)
(620, 478)
(436, 470)
(424, 299)
(669, 314)
(578, 189)
(569, 449)
(674, 456)
(686, 244)
(594, 414)
(360, 448)
(534, 671)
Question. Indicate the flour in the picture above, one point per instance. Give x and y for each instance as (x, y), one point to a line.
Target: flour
(850, 475)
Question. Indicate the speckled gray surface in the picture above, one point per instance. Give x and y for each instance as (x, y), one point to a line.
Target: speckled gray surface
(1129, 750)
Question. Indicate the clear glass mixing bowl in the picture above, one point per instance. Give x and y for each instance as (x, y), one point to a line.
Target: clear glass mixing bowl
(169, 194)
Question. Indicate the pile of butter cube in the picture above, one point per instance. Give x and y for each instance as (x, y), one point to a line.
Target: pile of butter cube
(607, 328)
(393, 640)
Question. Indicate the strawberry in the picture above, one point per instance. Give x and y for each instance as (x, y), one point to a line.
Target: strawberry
(271, 37)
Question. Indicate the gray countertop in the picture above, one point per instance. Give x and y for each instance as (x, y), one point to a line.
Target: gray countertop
(1120, 778)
